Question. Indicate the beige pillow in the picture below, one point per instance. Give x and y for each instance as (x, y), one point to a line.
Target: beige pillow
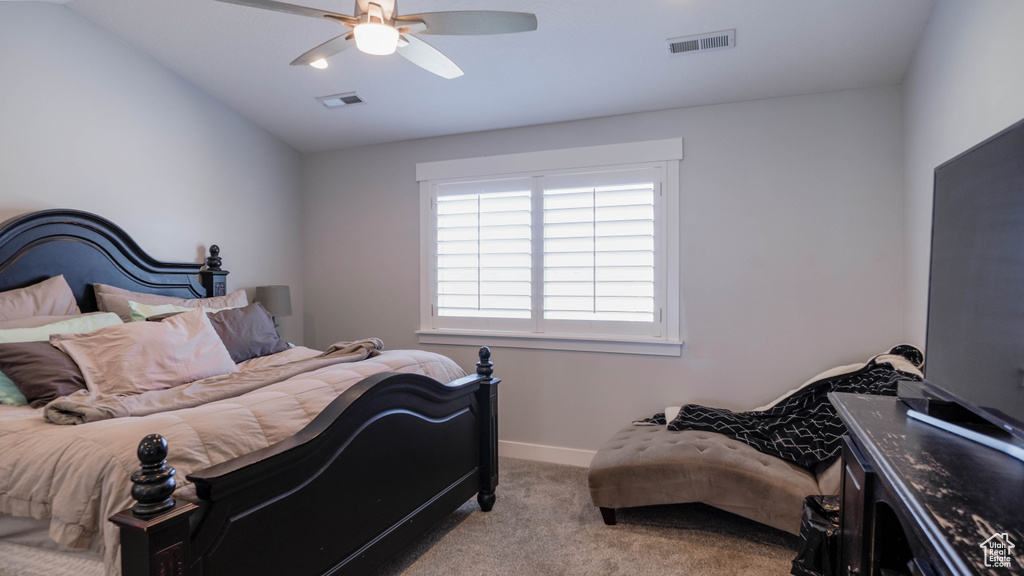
(142, 356)
(114, 299)
(51, 297)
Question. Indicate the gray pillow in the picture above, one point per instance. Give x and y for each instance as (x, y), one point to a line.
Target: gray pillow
(40, 371)
(247, 332)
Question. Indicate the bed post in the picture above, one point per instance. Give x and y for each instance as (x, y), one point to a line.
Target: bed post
(487, 398)
(214, 279)
(154, 532)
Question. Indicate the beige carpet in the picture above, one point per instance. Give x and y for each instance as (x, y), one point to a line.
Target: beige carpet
(17, 560)
(544, 524)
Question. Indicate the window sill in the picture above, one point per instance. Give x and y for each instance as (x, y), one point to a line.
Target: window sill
(566, 342)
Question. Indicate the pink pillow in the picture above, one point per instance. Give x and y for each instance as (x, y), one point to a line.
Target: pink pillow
(142, 356)
(51, 297)
(114, 299)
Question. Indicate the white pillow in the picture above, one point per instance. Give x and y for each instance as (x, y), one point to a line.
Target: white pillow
(142, 311)
(74, 325)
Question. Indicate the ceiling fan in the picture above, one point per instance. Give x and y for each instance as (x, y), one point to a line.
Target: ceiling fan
(377, 28)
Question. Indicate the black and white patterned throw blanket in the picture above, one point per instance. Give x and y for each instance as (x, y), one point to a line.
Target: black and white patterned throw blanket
(803, 428)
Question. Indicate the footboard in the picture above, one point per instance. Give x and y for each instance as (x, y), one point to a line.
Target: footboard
(379, 466)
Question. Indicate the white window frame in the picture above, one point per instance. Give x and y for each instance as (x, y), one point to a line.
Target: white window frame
(665, 154)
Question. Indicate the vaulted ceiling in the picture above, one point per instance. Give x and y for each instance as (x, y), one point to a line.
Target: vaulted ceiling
(587, 58)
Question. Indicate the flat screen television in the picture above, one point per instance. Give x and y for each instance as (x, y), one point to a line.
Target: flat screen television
(974, 349)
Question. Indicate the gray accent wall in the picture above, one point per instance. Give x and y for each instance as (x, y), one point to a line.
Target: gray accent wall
(964, 85)
(87, 122)
(791, 257)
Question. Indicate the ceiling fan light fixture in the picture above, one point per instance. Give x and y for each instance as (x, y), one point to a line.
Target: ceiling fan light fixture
(377, 39)
(377, 28)
(319, 64)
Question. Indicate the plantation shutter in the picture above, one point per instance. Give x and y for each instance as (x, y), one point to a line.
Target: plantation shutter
(483, 240)
(599, 257)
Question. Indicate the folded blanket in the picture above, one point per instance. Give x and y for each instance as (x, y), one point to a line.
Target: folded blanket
(84, 406)
(803, 428)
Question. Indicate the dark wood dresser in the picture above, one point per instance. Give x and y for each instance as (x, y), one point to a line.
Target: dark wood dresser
(919, 500)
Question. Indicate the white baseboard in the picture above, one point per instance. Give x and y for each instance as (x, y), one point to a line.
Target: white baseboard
(553, 454)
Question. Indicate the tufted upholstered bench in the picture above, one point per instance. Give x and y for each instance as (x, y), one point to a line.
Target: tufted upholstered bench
(649, 465)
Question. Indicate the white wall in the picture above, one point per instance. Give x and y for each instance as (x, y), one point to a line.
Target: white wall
(87, 122)
(791, 212)
(794, 231)
(791, 248)
(964, 85)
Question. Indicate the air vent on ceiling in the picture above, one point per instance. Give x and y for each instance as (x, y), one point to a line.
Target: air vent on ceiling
(702, 42)
(340, 100)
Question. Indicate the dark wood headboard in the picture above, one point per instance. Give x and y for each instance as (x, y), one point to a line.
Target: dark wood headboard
(86, 249)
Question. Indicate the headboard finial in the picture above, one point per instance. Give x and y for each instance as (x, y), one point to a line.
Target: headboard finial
(213, 262)
(213, 278)
(484, 367)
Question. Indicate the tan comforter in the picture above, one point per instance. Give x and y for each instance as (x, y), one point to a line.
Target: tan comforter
(78, 476)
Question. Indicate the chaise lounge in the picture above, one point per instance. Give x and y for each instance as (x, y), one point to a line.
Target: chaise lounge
(650, 465)
(645, 464)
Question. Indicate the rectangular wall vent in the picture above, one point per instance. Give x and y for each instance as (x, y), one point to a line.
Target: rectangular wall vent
(702, 42)
(340, 100)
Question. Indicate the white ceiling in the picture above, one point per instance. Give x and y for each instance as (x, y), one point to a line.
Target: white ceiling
(587, 58)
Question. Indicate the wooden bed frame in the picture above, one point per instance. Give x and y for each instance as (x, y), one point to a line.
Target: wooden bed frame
(383, 463)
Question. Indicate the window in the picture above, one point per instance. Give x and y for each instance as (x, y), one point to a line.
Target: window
(554, 250)
(484, 252)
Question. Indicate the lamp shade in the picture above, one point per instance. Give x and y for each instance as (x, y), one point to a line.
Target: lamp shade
(276, 299)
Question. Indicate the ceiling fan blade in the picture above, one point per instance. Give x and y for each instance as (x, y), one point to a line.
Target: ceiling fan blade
(293, 9)
(427, 57)
(470, 22)
(326, 50)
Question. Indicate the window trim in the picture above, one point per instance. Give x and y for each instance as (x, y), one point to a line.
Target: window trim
(669, 151)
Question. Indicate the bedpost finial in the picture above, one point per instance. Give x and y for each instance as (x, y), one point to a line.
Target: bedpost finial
(152, 449)
(214, 261)
(153, 485)
(484, 367)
